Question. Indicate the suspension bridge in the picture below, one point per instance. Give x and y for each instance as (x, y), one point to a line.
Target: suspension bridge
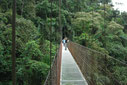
(78, 65)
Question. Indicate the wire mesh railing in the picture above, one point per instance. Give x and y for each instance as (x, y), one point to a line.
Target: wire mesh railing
(53, 77)
(98, 68)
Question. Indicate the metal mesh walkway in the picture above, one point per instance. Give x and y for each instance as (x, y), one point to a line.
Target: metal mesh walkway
(70, 72)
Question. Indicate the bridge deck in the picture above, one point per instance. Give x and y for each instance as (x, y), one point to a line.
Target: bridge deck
(70, 72)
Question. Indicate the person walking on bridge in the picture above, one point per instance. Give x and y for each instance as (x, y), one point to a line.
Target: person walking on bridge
(66, 41)
(63, 41)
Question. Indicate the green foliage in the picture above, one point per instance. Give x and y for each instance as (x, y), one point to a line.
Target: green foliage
(81, 21)
(114, 41)
(25, 31)
(43, 9)
(109, 37)
(28, 9)
(114, 28)
(32, 73)
(1, 49)
(46, 50)
(87, 22)
(120, 74)
(100, 79)
(32, 51)
(5, 5)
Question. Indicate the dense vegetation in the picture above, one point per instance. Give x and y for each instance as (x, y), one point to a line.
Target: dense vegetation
(82, 22)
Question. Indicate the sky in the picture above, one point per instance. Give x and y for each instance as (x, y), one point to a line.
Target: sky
(120, 5)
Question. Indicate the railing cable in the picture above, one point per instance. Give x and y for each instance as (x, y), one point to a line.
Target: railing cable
(101, 69)
(108, 56)
(90, 60)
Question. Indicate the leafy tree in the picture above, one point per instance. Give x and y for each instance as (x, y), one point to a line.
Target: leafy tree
(32, 72)
(25, 31)
(32, 51)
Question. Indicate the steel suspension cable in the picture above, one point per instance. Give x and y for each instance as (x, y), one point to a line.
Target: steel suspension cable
(92, 12)
(22, 8)
(56, 52)
(13, 44)
(51, 45)
(60, 20)
(104, 32)
(104, 15)
(57, 39)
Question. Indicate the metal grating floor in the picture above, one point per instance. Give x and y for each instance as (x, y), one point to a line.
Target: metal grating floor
(70, 72)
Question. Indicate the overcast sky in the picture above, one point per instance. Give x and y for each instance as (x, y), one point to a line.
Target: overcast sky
(120, 5)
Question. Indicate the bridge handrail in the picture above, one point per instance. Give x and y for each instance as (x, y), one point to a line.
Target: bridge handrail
(92, 62)
(122, 62)
(53, 78)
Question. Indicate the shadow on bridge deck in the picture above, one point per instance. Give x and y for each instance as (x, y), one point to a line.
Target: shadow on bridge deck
(70, 72)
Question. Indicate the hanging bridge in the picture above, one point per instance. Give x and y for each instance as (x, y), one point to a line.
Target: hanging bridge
(80, 65)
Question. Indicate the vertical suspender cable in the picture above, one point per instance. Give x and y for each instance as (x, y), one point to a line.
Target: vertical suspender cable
(92, 62)
(60, 20)
(22, 7)
(56, 34)
(104, 14)
(51, 47)
(56, 52)
(60, 28)
(92, 13)
(13, 44)
(92, 29)
(104, 33)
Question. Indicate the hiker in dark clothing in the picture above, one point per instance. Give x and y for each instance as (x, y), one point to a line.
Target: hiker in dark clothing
(66, 41)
